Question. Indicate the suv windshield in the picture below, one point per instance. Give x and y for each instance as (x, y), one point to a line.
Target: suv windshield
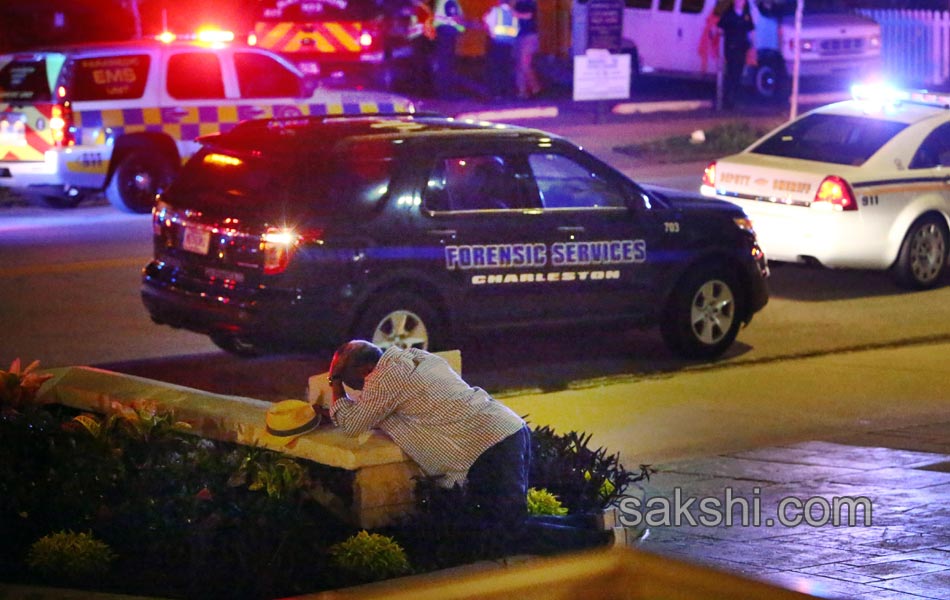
(831, 138)
(25, 80)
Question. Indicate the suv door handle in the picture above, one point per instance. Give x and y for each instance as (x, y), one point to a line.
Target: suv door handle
(571, 229)
(442, 232)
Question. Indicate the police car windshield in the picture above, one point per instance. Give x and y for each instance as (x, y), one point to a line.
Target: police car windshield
(245, 184)
(838, 139)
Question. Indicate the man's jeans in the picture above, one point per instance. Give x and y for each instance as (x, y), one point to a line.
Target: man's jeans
(498, 486)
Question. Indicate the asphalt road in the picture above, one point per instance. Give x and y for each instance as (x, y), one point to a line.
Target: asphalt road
(69, 295)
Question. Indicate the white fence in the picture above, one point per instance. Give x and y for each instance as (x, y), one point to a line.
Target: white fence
(915, 45)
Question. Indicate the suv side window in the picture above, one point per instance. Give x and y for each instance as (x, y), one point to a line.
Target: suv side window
(934, 151)
(195, 76)
(109, 77)
(260, 76)
(563, 183)
(477, 182)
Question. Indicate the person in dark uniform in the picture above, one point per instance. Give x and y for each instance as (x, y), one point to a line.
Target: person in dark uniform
(738, 48)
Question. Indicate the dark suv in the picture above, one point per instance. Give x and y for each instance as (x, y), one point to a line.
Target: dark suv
(412, 230)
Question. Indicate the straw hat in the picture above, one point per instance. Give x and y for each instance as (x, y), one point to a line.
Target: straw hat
(289, 419)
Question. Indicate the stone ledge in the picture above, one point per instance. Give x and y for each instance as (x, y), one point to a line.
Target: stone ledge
(216, 416)
(383, 474)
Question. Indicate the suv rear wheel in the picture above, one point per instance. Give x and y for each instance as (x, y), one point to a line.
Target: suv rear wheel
(401, 320)
(701, 318)
(923, 256)
(139, 176)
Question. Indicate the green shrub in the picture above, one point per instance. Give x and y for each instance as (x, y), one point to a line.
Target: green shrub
(543, 502)
(70, 557)
(370, 557)
(584, 479)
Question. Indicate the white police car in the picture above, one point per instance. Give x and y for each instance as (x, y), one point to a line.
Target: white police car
(863, 183)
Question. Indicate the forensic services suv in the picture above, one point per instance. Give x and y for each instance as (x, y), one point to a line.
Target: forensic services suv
(122, 117)
(861, 184)
(412, 230)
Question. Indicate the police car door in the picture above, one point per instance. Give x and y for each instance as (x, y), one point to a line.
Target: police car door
(492, 247)
(603, 239)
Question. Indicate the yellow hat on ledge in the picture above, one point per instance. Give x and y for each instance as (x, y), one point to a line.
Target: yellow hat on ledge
(289, 419)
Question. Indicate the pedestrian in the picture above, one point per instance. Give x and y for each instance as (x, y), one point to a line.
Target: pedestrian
(421, 34)
(449, 25)
(455, 432)
(526, 46)
(738, 41)
(502, 27)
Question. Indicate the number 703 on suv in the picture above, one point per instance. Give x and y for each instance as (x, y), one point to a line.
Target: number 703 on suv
(418, 230)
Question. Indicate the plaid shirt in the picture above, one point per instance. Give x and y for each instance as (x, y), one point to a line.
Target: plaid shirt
(440, 421)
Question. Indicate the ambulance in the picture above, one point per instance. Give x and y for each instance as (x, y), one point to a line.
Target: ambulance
(121, 118)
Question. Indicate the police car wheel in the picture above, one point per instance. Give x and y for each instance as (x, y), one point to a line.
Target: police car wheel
(138, 177)
(702, 317)
(923, 256)
(236, 345)
(401, 320)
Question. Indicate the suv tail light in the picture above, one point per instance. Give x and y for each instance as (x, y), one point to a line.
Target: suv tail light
(709, 175)
(834, 193)
(279, 245)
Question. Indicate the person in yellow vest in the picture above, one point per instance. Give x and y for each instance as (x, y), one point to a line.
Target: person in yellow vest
(449, 25)
(502, 26)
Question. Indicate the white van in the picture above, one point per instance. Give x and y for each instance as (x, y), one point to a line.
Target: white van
(681, 38)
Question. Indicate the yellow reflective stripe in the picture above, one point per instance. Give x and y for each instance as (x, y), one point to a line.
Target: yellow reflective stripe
(152, 116)
(191, 117)
(341, 34)
(227, 114)
(274, 35)
(112, 118)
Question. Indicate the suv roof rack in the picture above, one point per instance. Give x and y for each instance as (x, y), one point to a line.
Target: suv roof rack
(285, 123)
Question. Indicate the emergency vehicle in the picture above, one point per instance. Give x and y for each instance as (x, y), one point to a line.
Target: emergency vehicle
(416, 230)
(355, 41)
(682, 39)
(862, 184)
(122, 117)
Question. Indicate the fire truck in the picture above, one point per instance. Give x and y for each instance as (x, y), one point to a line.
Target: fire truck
(356, 42)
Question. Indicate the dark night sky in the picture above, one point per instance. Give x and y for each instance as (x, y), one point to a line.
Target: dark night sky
(33, 22)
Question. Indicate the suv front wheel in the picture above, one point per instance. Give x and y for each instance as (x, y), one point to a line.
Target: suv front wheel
(138, 177)
(702, 319)
(401, 320)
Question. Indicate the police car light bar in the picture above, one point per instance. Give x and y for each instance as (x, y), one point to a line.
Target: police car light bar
(886, 96)
(207, 36)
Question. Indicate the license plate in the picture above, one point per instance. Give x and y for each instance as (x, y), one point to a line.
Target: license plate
(196, 240)
(225, 275)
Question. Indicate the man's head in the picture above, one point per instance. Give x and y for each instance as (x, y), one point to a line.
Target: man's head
(353, 361)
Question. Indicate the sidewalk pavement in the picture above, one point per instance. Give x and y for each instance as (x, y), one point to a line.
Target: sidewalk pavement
(903, 553)
(869, 424)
